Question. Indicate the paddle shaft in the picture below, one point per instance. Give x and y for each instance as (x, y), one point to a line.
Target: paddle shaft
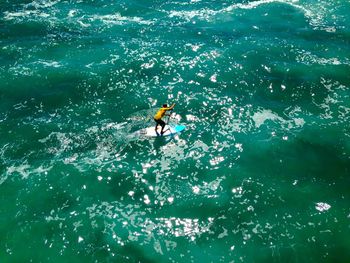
(171, 112)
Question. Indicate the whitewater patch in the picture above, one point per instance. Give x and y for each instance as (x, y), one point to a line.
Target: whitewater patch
(254, 4)
(203, 14)
(21, 16)
(307, 58)
(24, 170)
(263, 115)
(48, 63)
(316, 14)
(41, 4)
(206, 13)
(322, 206)
(118, 19)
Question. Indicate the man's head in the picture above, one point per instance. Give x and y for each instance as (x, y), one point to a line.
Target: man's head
(165, 106)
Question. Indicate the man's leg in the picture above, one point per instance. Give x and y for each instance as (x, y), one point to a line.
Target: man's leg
(157, 124)
(157, 129)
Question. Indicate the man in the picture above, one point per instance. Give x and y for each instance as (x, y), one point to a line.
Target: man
(160, 114)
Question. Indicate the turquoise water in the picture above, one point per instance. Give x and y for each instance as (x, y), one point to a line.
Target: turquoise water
(261, 174)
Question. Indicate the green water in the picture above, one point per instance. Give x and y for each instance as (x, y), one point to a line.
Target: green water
(261, 173)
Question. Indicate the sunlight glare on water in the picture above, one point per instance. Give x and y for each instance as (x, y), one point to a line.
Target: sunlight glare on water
(260, 173)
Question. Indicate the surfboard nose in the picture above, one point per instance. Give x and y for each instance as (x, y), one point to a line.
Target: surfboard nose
(179, 128)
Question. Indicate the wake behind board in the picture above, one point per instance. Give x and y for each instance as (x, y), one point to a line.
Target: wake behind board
(168, 130)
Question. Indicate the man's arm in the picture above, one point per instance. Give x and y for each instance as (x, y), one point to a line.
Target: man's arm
(171, 107)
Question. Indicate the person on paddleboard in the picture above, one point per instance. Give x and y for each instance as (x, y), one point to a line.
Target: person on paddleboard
(160, 114)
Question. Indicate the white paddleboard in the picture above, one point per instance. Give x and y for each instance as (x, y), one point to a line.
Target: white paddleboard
(168, 130)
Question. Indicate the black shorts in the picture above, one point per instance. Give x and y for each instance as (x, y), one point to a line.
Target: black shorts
(160, 122)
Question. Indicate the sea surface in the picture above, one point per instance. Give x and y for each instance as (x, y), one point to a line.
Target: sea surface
(261, 173)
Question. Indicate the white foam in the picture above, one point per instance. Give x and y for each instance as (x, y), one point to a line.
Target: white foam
(260, 117)
(322, 207)
(22, 169)
(118, 19)
(213, 78)
(195, 189)
(316, 13)
(203, 14)
(216, 160)
(146, 199)
(26, 14)
(72, 12)
(308, 58)
(42, 4)
(49, 63)
(254, 4)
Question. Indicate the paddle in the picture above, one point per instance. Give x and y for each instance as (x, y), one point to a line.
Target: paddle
(167, 122)
(171, 112)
